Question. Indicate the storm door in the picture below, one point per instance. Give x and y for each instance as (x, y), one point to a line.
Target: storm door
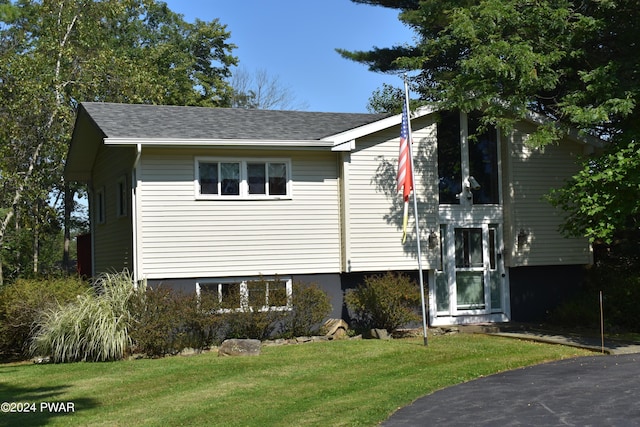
(470, 280)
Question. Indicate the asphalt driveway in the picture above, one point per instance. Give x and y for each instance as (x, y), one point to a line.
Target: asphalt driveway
(585, 391)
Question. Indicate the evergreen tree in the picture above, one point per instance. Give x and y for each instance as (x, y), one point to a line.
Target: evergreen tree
(576, 63)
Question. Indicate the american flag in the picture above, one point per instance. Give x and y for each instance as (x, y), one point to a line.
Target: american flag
(405, 180)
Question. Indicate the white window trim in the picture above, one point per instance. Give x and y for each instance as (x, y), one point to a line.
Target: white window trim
(244, 184)
(244, 291)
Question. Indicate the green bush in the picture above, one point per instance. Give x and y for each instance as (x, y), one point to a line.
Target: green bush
(22, 302)
(92, 328)
(309, 306)
(386, 301)
(165, 321)
(621, 301)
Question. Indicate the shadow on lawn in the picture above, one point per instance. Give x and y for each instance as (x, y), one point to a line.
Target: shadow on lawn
(37, 406)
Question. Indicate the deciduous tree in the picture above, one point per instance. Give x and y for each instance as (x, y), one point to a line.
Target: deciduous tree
(56, 53)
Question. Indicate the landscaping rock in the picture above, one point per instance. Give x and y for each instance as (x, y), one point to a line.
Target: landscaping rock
(335, 328)
(407, 333)
(190, 351)
(239, 347)
(445, 330)
(380, 334)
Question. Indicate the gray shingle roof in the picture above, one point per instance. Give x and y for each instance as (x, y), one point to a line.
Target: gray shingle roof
(165, 121)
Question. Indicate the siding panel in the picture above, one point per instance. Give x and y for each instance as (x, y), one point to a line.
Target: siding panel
(113, 250)
(185, 237)
(533, 173)
(375, 209)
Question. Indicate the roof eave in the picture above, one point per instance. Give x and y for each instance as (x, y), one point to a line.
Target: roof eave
(346, 138)
(230, 143)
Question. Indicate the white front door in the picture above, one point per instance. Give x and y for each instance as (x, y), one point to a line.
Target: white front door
(471, 283)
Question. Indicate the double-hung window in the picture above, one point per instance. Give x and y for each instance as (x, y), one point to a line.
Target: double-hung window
(243, 178)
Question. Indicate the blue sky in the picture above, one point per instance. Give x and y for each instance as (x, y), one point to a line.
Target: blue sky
(295, 41)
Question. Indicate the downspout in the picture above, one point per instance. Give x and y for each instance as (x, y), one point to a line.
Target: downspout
(134, 215)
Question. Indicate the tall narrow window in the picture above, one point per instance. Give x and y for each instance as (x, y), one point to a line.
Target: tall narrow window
(100, 208)
(483, 161)
(121, 205)
(449, 158)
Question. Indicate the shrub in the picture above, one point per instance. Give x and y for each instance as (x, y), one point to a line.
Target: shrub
(621, 296)
(165, 321)
(22, 302)
(259, 313)
(309, 306)
(92, 328)
(386, 301)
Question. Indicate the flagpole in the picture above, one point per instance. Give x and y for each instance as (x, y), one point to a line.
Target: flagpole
(415, 212)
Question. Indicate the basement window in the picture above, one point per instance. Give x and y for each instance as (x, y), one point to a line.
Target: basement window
(260, 294)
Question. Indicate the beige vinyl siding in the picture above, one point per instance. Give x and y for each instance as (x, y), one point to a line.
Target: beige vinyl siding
(113, 241)
(532, 173)
(375, 209)
(184, 237)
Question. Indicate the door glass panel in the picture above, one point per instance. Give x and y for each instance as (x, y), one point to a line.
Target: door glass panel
(495, 279)
(492, 248)
(468, 247)
(442, 291)
(483, 161)
(470, 290)
(449, 158)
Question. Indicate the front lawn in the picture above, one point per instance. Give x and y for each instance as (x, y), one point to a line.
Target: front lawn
(358, 382)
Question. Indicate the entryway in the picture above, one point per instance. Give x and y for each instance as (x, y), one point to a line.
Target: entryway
(471, 281)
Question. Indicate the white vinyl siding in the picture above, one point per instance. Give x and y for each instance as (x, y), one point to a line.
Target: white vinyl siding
(113, 239)
(184, 237)
(532, 173)
(375, 209)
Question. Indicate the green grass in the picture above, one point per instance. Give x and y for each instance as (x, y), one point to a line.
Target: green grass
(325, 384)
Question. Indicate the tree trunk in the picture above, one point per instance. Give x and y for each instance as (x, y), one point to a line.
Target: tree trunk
(68, 208)
(36, 237)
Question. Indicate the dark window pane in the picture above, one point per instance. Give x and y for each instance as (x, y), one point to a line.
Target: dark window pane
(257, 178)
(230, 179)
(277, 179)
(449, 158)
(230, 295)
(468, 247)
(277, 293)
(492, 248)
(257, 293)
(483, 161)
(208, 178)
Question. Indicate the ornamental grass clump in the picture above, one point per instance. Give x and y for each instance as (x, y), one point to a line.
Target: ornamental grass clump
(95, 327)
(387, 301)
